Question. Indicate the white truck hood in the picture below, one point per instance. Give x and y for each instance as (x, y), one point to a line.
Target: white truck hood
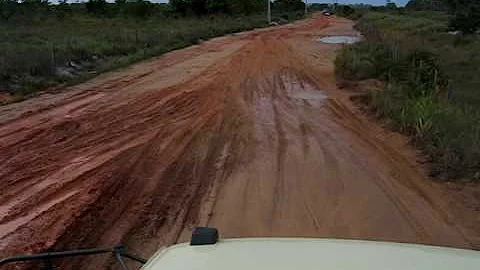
(311, 254)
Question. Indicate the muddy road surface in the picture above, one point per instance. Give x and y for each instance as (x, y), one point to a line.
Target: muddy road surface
(247, 133)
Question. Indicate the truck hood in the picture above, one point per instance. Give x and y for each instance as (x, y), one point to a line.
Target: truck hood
(310, 254)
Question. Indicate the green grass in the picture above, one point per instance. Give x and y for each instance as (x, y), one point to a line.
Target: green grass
(432, 84)
(458, 56)
(31, 53)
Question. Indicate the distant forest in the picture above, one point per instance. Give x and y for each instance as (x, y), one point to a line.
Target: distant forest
(28, 10)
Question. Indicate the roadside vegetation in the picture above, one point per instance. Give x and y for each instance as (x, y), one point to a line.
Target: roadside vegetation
(44, 44)
(429, 61)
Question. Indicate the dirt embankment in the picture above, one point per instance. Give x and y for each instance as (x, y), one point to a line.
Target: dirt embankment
(247, 133)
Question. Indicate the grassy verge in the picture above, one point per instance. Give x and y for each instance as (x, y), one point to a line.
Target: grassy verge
(34, 56)
(431, 85)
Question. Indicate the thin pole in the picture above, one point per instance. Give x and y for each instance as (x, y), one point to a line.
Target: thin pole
(306, 9)
(269, 12)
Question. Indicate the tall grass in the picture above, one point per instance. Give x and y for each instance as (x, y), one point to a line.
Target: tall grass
(35, 56)
(418, 98)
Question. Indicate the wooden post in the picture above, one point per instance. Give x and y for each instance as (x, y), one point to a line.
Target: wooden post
(53, 60)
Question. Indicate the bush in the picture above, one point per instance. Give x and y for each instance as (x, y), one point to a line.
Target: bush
(467, 22)
(98, 7)
(466, 15)
(357, 62)
(447, 134)
(417, 70)
(416, 98)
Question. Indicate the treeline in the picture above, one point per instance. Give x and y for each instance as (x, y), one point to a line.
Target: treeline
(232, 7)
(37, 10)
(352, 11)
(201, 7)
(465, 13)
(426, 5)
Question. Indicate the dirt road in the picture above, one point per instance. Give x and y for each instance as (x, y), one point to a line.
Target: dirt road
(247, 133)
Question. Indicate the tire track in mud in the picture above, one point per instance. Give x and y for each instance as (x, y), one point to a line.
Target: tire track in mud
(256, 144)
(281, 140)
(166, 202)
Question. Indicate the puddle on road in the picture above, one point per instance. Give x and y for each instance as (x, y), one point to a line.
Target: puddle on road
(340, 39)
(303, 91)
(309, 95)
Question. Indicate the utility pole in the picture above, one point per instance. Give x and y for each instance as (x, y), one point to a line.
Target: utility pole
(269, 12)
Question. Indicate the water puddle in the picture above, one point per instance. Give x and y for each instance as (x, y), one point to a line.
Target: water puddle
(340, 39)
(303, 91)
(309, 95)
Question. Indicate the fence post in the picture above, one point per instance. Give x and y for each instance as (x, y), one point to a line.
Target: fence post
(53, 59)
(450, 90)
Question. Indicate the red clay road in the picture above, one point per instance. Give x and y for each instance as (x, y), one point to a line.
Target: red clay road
(247, 133)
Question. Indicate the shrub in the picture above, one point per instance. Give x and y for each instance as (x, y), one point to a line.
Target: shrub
(416, 98)
(98, 7)
(466, 15)
(357, 62)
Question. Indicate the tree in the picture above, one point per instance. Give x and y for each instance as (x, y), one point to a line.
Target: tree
(63, 10)
(348, 10)
(466, 15)
(7, 9)
(319, 6)
(214, 6)
(179, 6)
(98, 7)
(390, 5)
(425, 5)
(245, 6)
(201, 7)
(466, 21)
(34, 10)
(289, 5)
(197, 7)
(139, 8)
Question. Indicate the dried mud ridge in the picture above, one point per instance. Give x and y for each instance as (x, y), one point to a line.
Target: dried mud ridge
(246, 133)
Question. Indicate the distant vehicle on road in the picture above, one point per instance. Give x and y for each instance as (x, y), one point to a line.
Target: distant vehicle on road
(327, 12)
